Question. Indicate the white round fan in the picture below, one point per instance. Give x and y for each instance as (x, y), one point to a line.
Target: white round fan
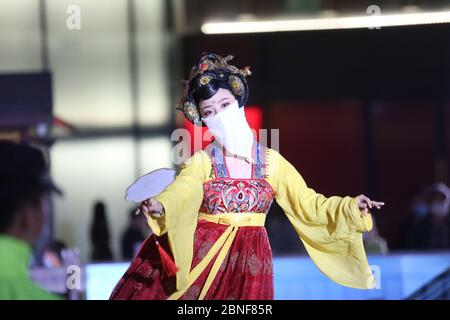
(150, 185)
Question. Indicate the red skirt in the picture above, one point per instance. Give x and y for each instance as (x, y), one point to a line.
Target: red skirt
(245, 274)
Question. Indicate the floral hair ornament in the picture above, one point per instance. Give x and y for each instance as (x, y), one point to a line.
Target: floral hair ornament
(212, 67)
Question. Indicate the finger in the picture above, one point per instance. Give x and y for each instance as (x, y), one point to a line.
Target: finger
(365, 199)
(146, 215)
(144, 209)
(150, 204)
(378, 204)
(152, 208)
(137, 211)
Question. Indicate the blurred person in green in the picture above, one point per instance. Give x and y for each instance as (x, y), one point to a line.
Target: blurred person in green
(24, 188)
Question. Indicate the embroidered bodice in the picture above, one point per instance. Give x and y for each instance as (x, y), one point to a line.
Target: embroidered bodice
(224, 194)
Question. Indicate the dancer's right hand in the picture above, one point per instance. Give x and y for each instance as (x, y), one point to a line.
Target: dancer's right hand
(151, 206)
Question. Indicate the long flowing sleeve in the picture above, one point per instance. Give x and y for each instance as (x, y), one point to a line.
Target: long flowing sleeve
(330, 228)
(181, 201)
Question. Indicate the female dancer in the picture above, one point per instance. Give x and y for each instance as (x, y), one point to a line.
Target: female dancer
(209, 239)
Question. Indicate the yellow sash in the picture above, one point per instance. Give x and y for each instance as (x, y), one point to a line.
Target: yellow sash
(234, 222)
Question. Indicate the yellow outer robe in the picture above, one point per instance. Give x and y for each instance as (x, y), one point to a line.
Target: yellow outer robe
(330, 228)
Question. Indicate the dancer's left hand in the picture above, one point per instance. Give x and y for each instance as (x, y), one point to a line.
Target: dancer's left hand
(365, 203)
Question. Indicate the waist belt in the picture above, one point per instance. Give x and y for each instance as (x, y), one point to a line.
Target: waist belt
(222, 245)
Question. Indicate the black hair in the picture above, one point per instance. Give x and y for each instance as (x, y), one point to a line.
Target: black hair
(207, 76)
(99, 212)
(57, 247)
(100, 222)
(13, 195)
(100, 234)
(208, 90)
(20, 166)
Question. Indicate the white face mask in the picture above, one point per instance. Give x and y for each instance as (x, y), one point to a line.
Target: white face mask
(231, 130)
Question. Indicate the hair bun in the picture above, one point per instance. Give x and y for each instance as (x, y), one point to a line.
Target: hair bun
(213, 68)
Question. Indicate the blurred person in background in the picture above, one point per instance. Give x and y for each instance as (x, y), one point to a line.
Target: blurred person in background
(24, 189)
(52, 256)
(438, 222)
(101, 251)
(414, 233)
(374, 243)
(283, 240)
(134, 235)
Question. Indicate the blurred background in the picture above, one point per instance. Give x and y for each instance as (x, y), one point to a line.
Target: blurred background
(360, 108)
